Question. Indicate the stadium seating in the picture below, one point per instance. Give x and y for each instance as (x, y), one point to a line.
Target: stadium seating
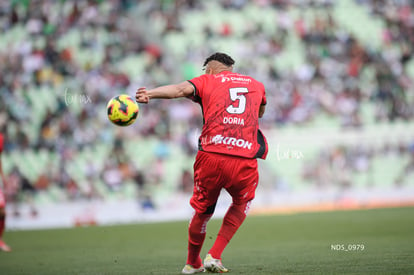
(94, 72)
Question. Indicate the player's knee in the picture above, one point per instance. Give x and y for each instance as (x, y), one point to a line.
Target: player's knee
(210, 209)
(201, 208)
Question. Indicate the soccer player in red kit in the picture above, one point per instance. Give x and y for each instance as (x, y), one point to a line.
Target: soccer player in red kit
(3, 246)
(229, 146)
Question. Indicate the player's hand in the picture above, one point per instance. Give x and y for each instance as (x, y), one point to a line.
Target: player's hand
(141, 95)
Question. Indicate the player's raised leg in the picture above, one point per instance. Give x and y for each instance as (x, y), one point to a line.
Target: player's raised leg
(231, 223)
(242, 187)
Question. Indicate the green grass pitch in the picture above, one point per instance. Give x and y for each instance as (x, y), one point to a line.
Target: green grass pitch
(280, 244)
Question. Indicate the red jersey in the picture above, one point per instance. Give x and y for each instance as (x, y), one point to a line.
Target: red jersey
(230, 104)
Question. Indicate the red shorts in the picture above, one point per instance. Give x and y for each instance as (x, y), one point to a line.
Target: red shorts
(212, 172)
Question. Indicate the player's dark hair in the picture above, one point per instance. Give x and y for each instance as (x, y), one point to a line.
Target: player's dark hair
(220, 57)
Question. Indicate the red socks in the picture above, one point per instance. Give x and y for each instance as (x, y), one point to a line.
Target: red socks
(231, 222)
(197, 233)
(196, 236)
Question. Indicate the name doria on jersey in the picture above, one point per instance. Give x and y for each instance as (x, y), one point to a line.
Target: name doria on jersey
(219, 139)
(233, 120)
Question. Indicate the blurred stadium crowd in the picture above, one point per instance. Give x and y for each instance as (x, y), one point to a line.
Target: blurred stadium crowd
(339, 64)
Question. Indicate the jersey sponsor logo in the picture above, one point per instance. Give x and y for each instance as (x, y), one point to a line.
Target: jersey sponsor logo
(233, 120)
(224, 79)
(219, 139)
(235, 79)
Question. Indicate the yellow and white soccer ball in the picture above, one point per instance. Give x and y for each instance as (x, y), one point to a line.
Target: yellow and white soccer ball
(122, 110)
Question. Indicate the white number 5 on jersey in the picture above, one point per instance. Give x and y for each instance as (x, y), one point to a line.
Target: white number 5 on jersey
(237, 94)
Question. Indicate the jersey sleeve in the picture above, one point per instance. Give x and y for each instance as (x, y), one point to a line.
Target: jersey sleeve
(198, 84)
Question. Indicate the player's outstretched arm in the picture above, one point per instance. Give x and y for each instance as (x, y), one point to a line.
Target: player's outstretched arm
(182, 89)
